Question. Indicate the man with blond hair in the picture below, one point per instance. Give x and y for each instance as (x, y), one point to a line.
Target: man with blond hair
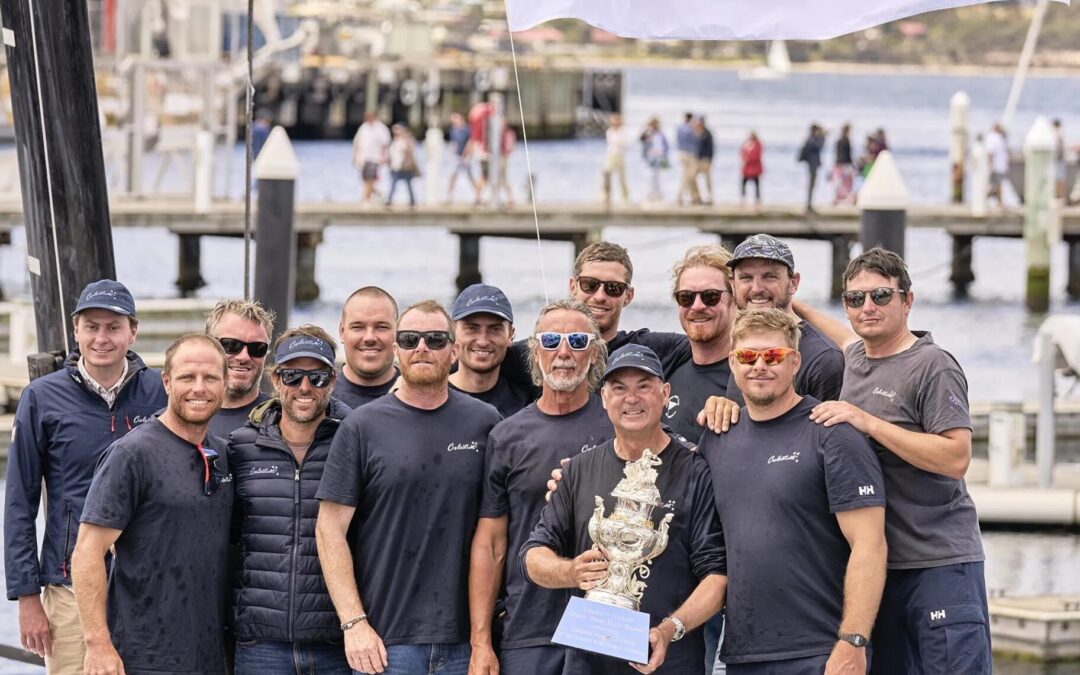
(803, 513)
(567, 357)
(243, 327)
(400, 497)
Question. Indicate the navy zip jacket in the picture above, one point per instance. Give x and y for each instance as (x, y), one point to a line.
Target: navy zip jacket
(278, 591)
(61, 429)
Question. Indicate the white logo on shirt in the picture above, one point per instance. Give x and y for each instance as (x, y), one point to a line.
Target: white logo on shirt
(953, 399)
(672, 406)
(587, 447)
(866, 490)
(141, 419)
(454, 447)
(891, 395)
(793, 457)
(937, 615)
(263, 470)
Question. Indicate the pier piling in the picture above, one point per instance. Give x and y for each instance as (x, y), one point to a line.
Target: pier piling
(841, 256)
(276, 170)
(189, 278)
(963, 271)
(884, 199)
(1072, 287)
(468, 261)
(1038, 191)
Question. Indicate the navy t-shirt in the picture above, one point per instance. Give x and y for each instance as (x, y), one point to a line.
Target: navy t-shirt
(821, 374)
(522, 451)
(691, 385)
(414, 477)
(356, 395)
(695, 542)
(507, 397)
(673, 349)
(779, 485)
(169, 580)
(228, 420)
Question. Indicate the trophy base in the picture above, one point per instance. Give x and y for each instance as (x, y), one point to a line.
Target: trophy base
(608, 598)
(605, 629)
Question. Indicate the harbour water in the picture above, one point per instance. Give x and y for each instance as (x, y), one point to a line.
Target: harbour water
(991, 334)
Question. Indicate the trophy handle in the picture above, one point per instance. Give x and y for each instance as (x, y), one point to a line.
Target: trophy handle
(597, 518)
(661, 536)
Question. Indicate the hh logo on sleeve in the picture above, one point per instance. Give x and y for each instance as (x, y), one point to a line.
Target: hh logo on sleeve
(866, 490)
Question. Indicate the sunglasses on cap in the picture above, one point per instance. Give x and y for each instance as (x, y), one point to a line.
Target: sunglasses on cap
(434, 339)
(550, 340)
(214, 469)
(613, 289)
(292, 377)
(772, 355)
(232, 347)
(880, 296)
(710, 297)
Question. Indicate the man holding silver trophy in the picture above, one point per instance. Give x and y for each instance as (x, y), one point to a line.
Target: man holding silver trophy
(683, 556)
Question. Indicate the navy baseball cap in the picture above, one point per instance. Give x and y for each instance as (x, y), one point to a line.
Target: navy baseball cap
(482, 299)
(634, 356)
(300, 346)
(764, 247)
(106, 294)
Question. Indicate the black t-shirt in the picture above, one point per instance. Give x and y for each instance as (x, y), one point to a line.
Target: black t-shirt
(356, 395)
(695, 542)
(507, 397)
(228, 420)
(821, 374)
(169, 580)
(691, 385)
(415, 478)
(522, 451)
(779, 485)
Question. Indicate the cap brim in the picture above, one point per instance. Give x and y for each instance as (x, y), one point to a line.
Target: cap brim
(635, 366)
(732, 263)
(472, 310)
(100, 305)
(314, 355)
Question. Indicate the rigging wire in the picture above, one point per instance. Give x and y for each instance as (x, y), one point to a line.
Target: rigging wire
(249, 115)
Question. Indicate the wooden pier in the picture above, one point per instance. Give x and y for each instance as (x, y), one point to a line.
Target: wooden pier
(579, 223)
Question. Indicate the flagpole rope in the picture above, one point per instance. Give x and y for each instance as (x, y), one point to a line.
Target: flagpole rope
(528, 159)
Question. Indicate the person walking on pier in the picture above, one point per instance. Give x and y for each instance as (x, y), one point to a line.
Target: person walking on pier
(161, 499)
(704, 158)
(654, 148)
(403, 166)
(843, 174)
(459, 141)
(64, 422)
(615, 159)
(366, 331)
(687, 144)
(399, 500)
(243, 327)
(810, 153)
(283, 618)
(507, 144)
(566, 358)
(910, 397)
(752, 168)
(371, 146)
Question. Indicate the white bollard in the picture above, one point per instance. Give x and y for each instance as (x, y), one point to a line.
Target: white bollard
(1038, 194)
(1007, 438)
(883, 200)
(204, 170)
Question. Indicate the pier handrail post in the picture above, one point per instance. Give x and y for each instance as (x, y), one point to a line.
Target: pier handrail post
(276, 170)
(980, 177)
(959, 105)
(1044, 421)
(883, 200)
(1038, 194)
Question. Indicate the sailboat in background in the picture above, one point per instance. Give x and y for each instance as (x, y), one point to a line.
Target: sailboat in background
(777, 64)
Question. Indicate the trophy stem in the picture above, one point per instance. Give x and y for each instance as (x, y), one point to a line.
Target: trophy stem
(615, 599)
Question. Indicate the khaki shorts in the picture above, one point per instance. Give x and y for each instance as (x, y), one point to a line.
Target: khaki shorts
(68, 648)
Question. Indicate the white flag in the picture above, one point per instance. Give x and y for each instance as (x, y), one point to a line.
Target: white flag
(725, 19)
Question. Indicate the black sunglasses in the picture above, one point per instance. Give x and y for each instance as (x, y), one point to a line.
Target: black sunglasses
(710, 297)
(292, 377)
(232, 347)
(613, 289)
(434, 339)
(214, 469)
(880, 296)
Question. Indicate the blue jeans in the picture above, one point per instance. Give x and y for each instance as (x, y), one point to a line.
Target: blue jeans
(443, 659)
(302, 658)
(714, 636)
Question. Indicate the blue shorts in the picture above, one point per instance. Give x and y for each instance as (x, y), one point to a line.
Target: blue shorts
(933, 621)
(546, 660)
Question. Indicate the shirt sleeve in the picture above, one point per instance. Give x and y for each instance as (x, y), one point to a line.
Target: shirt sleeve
(26, 460)
(493, 501)
(733, 393)
(708, 554)
(555, 530)
(116, 490)
(824, 376)
(344, 466)
(672, 348)
(515, 367)
(853, 476)
(943, 402)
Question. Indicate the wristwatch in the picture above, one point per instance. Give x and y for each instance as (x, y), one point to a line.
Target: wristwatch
(854, 639)
(680, 627)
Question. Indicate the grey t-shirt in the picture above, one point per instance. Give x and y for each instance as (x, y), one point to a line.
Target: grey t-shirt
(356, 395)
(169, 580)
(778, 485)
(228, 420)
(821, 374)
(691, 386)
(695, 543)
(931, 520)
(522, 452)
(415, 478)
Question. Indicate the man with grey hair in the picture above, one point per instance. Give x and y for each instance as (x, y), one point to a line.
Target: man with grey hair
(243, 327)
(566, 358)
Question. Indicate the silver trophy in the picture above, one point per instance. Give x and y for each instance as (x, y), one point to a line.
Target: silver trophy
(629, 540)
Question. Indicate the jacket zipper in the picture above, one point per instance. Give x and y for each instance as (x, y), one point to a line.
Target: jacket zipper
(67, 541)
(295, 549)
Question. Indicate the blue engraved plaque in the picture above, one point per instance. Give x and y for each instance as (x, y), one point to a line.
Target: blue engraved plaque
(604, 629)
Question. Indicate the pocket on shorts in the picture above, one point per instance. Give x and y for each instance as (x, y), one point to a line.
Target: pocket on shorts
(954, 639)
